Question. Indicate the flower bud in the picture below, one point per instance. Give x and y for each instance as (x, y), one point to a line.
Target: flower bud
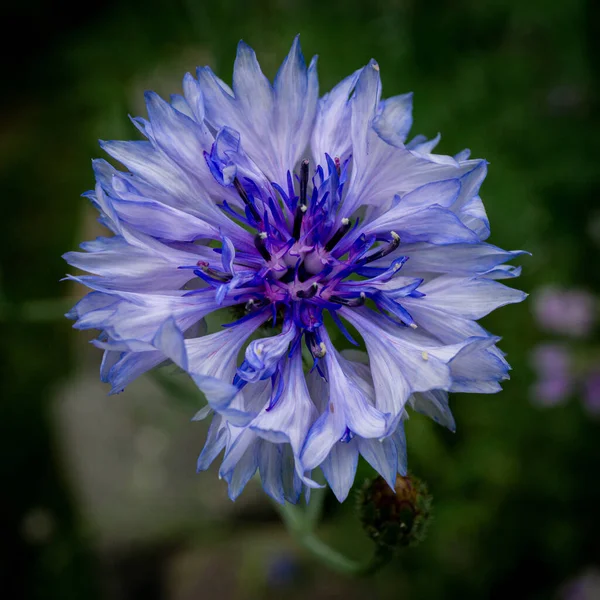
(395, 518)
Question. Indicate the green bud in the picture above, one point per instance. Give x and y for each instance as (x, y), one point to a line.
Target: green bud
(395, 518)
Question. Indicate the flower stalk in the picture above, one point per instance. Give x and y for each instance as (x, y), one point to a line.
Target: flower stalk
(301, 524)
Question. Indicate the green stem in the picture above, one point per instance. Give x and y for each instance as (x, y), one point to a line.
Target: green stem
(314, 509)
(300, 524)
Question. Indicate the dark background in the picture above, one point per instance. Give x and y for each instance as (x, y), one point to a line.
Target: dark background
(516, 488)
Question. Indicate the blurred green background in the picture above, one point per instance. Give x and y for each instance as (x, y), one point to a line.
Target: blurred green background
(101, 499)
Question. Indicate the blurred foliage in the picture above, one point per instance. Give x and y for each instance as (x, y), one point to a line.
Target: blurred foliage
(516, 488)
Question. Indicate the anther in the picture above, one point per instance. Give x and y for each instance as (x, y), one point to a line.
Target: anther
(244, 196)
(302, 206)
(317, 348)
(259, 243)
(309, 293)
(359, 301)
(254, 305)
(303, 181)
(298, 221)
(338, 235)
(385, 250)
(212, 273)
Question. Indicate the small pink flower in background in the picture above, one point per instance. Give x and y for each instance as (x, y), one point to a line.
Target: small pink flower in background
(564, 311)
(591, 395)
(552, 364)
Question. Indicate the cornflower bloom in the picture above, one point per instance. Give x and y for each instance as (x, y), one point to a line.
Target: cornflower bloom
(312, 218)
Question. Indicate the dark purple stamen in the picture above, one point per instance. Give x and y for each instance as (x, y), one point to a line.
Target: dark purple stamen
(384, 250)
(259, 242)
(298, 216)
(253, 304)
(303, 181)
(309, 293)
(315, 345)
(338, 235)
(244, 196)
(305, 264)
(357, 301)
(302, 207)
(212, 273)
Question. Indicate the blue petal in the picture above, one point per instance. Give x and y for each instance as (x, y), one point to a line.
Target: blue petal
(138, 316)
(243, 472)
(153, 167)
(216, 440)
(364, 103)
(292, 483)
(478, 369)
(179, 103)
(109, 359)
(399, 363)
(169, 340)
(296, 93)
(289, 420)
(330, 133)
(382, 456)
(252, 89)
(458, 259)
(270, 468)
(90, 303)
(241, 439)
(349, 409)
(434, 404)
(399, 439)
(469, 298)
(339, 468)
(433, 224)
(162, 221)
(130, 366)
(181, 138)
(473, 215)
(193, 96)
(263, 355)
(443, 193)
(394, 119)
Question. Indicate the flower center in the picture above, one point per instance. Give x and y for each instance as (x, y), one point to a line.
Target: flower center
(306, 258)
